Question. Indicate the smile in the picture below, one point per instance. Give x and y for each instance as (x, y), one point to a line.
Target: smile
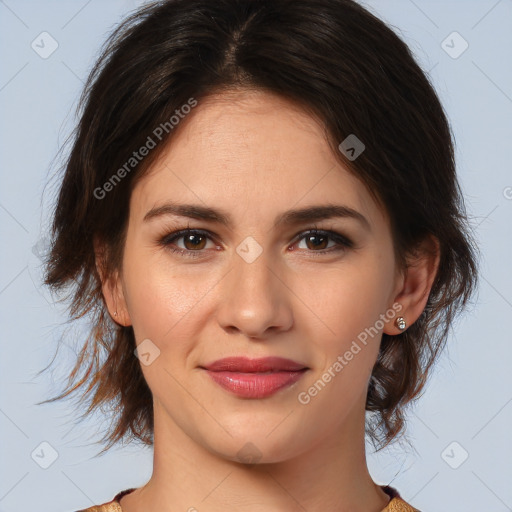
(255, 378)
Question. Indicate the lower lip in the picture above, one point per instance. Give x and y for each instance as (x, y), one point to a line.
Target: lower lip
(255, 385)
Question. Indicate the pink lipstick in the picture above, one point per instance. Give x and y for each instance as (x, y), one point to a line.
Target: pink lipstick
(255, 378)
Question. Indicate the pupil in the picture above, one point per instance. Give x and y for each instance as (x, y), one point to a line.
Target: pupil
(321, 243)
(195, 244)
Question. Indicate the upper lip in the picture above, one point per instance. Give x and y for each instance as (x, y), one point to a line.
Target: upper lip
(246, 365)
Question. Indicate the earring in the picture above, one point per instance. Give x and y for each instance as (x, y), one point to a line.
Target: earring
(400, 323)
(115, 313)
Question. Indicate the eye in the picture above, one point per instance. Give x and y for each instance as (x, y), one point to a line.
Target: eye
(187, 242)
(193, 242)
(322, 241)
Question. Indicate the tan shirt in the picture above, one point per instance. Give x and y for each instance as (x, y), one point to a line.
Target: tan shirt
(396, 503)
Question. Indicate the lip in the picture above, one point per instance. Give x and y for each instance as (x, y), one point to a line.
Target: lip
(255, 378)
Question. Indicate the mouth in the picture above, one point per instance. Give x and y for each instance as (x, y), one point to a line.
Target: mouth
(255, 378)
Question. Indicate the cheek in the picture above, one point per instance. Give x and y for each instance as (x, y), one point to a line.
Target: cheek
(161, 297)
(345, 301)
(345, 339)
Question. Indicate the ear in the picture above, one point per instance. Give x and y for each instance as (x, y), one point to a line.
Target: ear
(415, 282)
(111, 286)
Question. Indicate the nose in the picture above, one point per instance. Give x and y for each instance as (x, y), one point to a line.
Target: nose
(254, 299)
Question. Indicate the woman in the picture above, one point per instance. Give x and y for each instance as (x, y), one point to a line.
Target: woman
(261, 216)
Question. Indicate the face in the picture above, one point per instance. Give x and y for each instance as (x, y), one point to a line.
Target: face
(248, 239)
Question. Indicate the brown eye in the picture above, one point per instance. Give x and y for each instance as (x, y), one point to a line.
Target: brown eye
(324, 242)
(188, 242)
(194, 241)
(316, 241)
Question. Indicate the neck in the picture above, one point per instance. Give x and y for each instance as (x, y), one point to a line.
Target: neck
(332, 475)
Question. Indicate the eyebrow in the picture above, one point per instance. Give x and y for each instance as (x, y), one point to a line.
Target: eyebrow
(290, 217)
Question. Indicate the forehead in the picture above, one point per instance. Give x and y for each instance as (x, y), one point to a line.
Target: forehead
(245, 149)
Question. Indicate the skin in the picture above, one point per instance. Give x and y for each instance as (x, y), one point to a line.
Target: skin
(254, 156)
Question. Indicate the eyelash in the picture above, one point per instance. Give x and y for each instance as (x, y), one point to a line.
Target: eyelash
(342, 241)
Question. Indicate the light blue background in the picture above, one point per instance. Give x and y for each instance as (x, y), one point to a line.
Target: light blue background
(469, 398)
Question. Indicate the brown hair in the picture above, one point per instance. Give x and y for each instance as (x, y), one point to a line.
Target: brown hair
(341, 64)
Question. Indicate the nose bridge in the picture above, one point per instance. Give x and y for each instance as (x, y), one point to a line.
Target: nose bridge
(253, 299)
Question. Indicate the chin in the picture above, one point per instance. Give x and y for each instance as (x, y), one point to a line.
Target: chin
(258, 444)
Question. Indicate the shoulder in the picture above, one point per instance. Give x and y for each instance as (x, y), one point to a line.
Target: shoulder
(109, 506)
(399, 505)
(396, 504)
